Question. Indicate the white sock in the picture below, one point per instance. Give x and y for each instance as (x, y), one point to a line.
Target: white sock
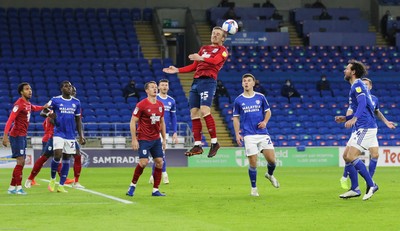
(155, 190)
(197, 143)
(214, 140)
(132, 184)
(11, 187)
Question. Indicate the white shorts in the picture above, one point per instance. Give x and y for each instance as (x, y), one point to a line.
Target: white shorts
(363, 139)
(254, 144)
(68, 146)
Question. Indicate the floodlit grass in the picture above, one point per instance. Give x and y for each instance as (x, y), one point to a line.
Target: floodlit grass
(204, 199)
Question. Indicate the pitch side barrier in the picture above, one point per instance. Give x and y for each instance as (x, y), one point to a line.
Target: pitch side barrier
(226, 157)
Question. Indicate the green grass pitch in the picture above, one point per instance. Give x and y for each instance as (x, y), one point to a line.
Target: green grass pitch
(204, 199)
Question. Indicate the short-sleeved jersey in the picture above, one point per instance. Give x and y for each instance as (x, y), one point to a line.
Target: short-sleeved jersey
(251, 111)
(22, 111)
(66, 110)
(149, 115)
(169, 111)
(209, 69)
(48, 128)
(367, 119)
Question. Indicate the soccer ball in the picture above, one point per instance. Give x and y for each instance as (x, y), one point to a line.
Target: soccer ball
(230, 26)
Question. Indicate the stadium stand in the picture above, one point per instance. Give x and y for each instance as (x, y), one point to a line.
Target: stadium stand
(96, 49)
(99, 52)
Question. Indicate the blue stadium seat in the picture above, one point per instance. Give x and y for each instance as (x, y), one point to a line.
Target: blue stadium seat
(147, 14)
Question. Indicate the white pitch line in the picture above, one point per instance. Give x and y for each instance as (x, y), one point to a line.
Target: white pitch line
(56, 203)
(98, 193)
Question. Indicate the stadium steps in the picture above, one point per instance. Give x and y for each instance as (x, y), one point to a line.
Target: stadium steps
(204, 30)
(223, 135)
(148, 41)
(294, 38)
(380, 40)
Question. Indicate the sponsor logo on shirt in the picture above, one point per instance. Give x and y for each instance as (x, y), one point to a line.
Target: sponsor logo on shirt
(154, 118)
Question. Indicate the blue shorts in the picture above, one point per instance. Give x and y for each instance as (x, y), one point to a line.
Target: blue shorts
(153, 147)
(48, 148)
(18, 146)
(202, 92)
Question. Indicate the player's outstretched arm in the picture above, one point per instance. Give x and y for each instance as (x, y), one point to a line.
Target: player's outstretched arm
(170, 70)
(195, 57)
(388, 123)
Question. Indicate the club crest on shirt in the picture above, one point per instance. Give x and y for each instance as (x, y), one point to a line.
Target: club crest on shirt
(15, 108)
(358, 89)
(169, 103)
(258, 102)
(215, 50)
(73, 105)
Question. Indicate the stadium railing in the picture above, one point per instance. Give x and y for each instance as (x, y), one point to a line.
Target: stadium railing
(112, 130)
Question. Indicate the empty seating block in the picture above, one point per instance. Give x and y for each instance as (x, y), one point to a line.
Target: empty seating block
(107, 142)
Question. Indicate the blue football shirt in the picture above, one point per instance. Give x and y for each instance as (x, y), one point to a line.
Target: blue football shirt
(169, 113)
(367, 118)
(66, 110)
(251, 111)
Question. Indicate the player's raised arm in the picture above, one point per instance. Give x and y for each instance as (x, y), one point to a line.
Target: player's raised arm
(171, 70)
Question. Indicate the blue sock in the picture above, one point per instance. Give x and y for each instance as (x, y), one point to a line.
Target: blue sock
(271, 168)
(164, 166)
(360, 166)
(54, 167)
(372, 166)
(352, 172)
(64, 171)
(253, 176)
(345, 170)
